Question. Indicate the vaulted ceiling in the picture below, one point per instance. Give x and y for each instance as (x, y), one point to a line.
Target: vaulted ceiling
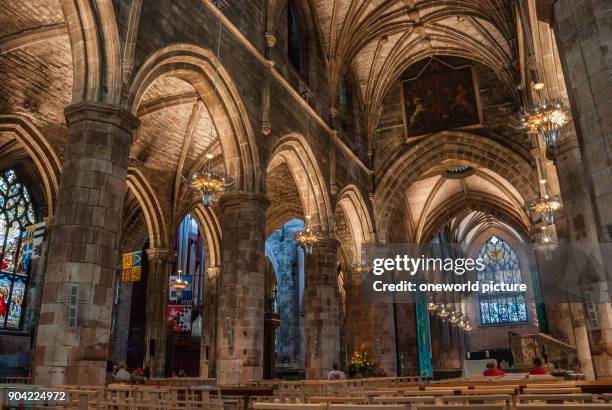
(379, 39)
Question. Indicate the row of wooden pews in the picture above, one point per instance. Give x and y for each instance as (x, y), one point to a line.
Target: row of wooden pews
(363, 394)
(534, 395)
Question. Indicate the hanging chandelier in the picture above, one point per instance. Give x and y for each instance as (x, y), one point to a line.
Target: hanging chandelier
(455, 318)
(546, 204)
(467, 327)
(360, 267)
(546, 117)
(307, 238)
(432, 307)
(546, 239)
(178, 284)
(462, 322)
(443, 312)
(208, 183)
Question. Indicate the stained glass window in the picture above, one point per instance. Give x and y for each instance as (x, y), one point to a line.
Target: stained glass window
(502, 266)
(16, 213)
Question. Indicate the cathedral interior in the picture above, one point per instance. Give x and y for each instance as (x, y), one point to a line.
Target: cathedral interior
(189, 187)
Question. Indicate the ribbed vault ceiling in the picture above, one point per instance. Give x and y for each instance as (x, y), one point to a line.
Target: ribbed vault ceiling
(379, 39)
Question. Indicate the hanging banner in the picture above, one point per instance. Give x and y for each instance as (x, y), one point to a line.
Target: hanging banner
(132, 266)
(423, 335)
(32, 242)
(180, 316)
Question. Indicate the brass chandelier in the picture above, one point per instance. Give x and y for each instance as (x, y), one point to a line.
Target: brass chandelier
(208, 183)
(546, 204)
(179, 284)
(545, 118)
(546, 240)
(307, 238)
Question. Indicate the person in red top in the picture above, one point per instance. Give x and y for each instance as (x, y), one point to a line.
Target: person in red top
(492, 370)
(537, 367)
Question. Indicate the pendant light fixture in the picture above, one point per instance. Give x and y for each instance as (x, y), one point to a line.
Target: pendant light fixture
(208, 183)
(546, 239)
(546, 204)
(546, 117)
(179, 284)
(308, 238)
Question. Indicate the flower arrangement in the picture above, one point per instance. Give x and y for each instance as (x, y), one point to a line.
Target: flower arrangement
(361, 363)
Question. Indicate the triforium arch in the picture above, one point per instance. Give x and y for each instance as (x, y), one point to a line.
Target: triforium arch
(462, 146)
(96, 55)
(139, 186)
(293, 151)
(31, 142)
(214, 86)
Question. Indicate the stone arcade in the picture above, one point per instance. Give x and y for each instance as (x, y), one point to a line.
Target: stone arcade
(366, 121)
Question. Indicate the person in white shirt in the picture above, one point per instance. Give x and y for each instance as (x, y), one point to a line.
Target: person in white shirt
(336, 374)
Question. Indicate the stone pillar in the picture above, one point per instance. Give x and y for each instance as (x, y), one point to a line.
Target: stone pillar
(209, 330)
(373, 326)
(241, 288)
(160, 263)
(72, 341)
(584, 35)
(321, 310)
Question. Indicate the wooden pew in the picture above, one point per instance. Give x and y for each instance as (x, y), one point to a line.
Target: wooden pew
(287, 406)
(410, 402)
(574, 406)
(466, 407)
(554, 398)
(552, 390)
(336, 399)
(365, 407)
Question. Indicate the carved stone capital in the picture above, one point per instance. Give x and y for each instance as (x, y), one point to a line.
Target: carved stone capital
(160, 254)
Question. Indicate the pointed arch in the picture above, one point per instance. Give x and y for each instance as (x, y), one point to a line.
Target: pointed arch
(39, 150)
(458, 203)
(201, 68)
(467, 147)
(96, 51)
(357, 215)
(210, 229)
(294, 151)
(139, 185)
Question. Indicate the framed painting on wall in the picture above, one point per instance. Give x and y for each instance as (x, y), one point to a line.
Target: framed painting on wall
(440, 97)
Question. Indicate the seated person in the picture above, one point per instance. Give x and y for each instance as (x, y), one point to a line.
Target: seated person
(122, 375)
(336, 374)
(492, 370)
(537, 368)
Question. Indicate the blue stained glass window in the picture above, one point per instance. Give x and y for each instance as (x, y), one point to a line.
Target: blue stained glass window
(502, 266)
(16, 213)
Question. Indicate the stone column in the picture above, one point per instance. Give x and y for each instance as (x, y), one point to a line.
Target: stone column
(321, 310)
(373, 326)
(160, 262)
(209, 330)
(72, 341)
(240, 310)
(584, 36)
